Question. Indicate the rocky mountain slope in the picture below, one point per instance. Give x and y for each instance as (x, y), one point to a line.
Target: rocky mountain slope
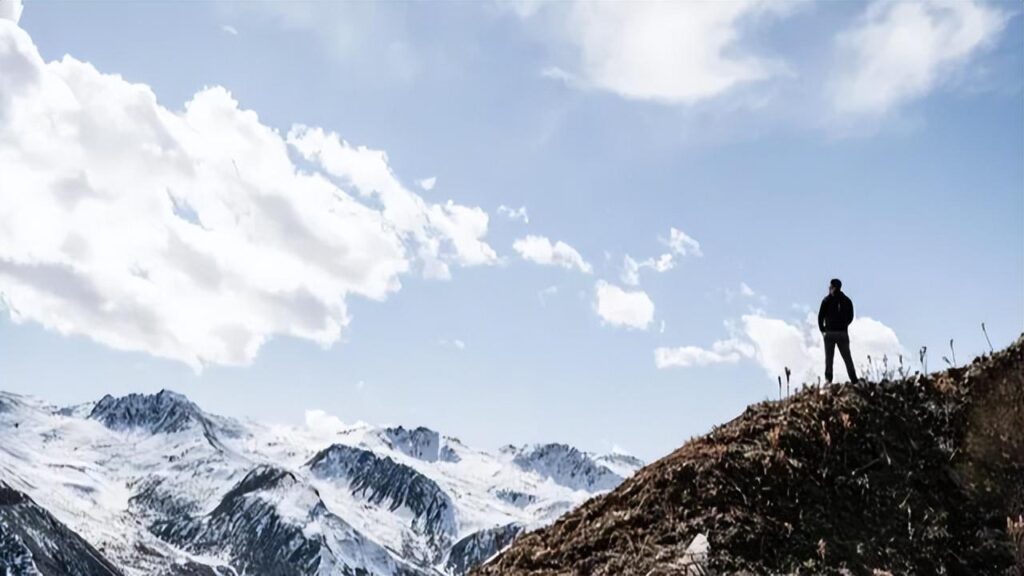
(32, 541)
(154, 485)
(923, 475)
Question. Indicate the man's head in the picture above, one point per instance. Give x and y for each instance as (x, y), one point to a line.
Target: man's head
(835, 285)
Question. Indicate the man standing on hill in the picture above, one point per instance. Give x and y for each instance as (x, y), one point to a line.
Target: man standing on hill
(834, 317)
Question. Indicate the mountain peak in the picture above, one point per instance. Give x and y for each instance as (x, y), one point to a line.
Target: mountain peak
(565, 465)
(164, 412)
(420, 443)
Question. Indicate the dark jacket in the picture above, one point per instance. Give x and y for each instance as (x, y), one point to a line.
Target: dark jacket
(836, 313)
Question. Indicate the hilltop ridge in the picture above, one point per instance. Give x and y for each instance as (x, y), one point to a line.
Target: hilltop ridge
(910, 476)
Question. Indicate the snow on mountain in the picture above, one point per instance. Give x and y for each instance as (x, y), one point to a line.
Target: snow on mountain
(624, 465)
(422, 443)
(566, 466)
(398, 488)
(158, 486)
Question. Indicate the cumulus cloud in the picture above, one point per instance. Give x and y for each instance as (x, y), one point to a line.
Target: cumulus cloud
(191, 235)
(515, 213)
(321, 423)
(671, 52)
(540, 250)
(618, 307)
(775, 344)
(11, 10)
(900, 51)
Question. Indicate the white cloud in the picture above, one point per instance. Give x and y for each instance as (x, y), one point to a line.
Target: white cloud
(229, 29)
(515, 213)
(722, 352)
(192, 235)
(540, 250)
(619, 307)
(427, 184)
(631, 268)
(776, 344)
(900, 51)
(322, 424)
(621, 450)
(746, 290)
(682, 244)
(672, 52)
(11, 10)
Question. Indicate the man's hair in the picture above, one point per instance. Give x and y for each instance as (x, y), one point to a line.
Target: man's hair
(837, 283)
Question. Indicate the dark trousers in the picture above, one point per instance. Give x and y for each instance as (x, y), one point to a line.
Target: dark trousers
(841, 339)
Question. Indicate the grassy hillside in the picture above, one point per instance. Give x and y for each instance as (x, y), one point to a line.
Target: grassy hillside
(913, 476)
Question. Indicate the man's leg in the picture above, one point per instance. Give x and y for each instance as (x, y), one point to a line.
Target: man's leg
(844, 351)
(830, 354)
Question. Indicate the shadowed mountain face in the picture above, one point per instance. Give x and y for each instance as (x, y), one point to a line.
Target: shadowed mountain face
(165, 412)
(382, 481)
(34, 542)
(916, 476)
(479, 546)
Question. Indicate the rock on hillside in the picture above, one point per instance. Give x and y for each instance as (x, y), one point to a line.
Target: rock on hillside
(915, 476)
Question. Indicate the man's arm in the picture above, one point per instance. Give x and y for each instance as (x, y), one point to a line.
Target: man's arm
(821, 315)
(849, 315)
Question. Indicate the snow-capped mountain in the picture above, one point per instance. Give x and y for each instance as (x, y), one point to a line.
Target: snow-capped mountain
(152, 484)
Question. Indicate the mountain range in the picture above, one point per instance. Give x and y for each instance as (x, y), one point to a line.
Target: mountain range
(154, 485)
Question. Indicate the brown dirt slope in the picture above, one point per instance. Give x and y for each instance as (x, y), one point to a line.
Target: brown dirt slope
(913, 476)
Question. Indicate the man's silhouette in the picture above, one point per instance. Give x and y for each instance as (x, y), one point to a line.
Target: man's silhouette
(834, 317)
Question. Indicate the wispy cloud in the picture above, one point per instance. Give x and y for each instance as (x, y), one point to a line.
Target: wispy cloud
(901, 51)
(682, 244)
(453, 343)
(679, 243)
(631, 268)
(670, 52)
(721, 352)
(515, 213)
(546, 294)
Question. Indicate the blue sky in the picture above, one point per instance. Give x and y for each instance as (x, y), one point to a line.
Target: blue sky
(779, 145)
